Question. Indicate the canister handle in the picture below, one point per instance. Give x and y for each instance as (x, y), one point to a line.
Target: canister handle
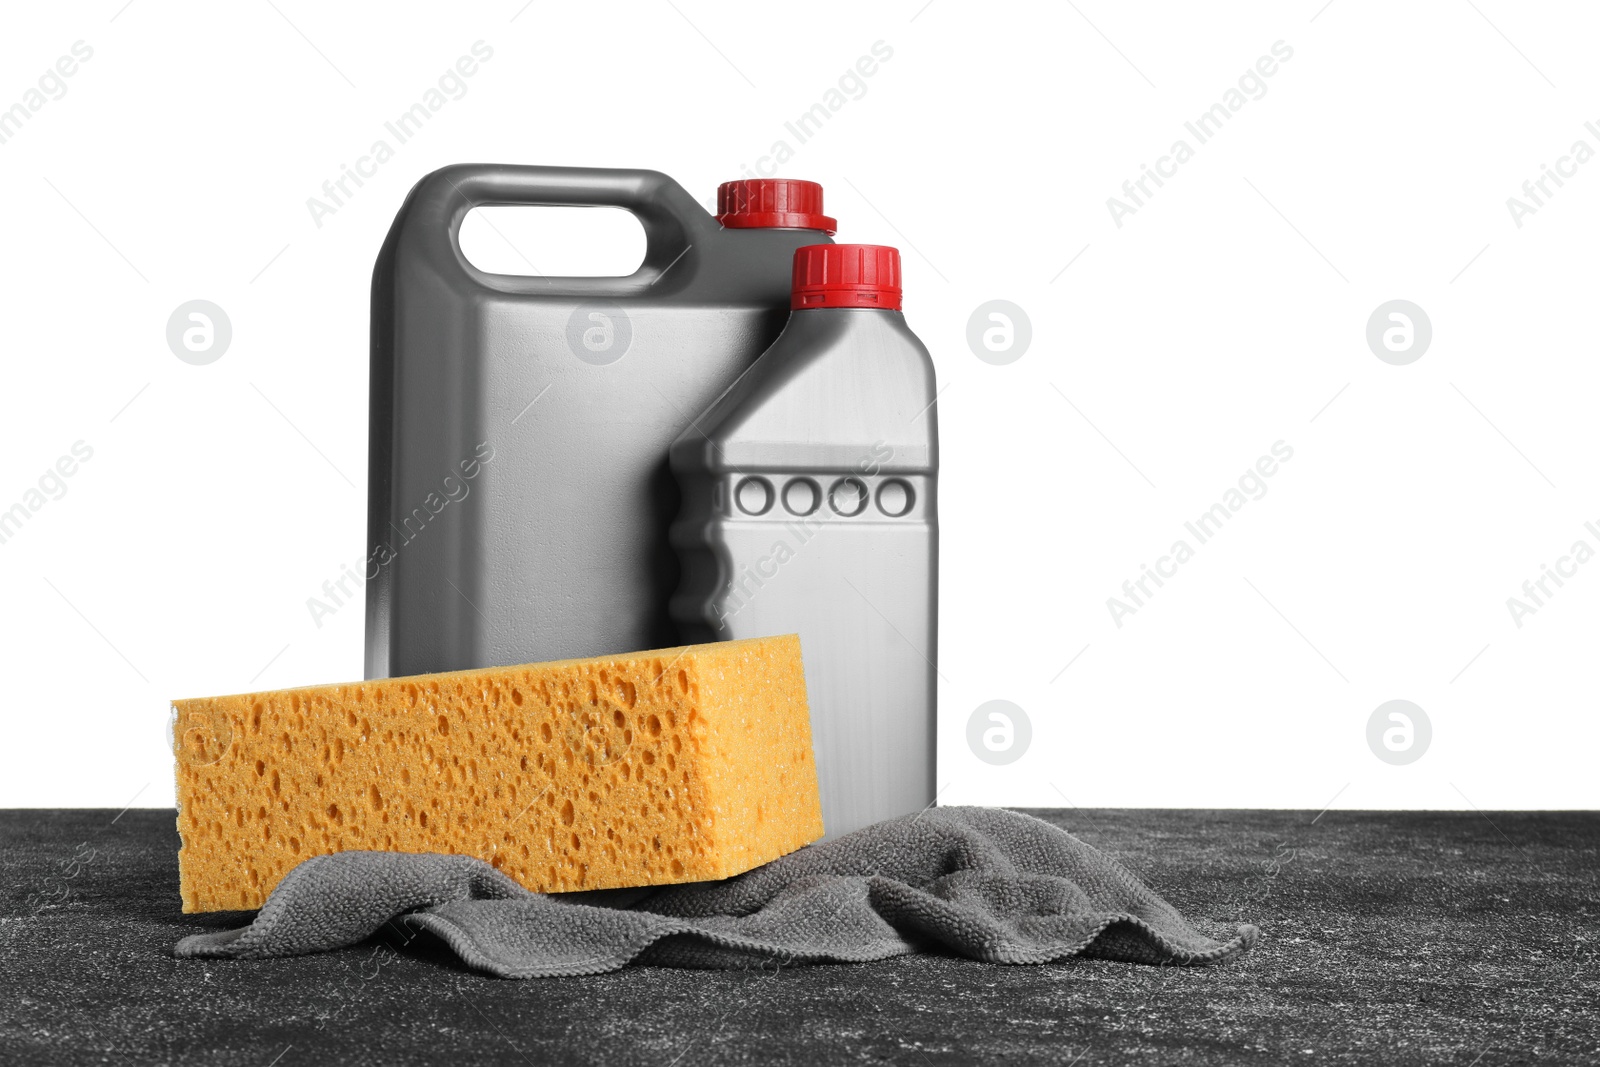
(672, 220)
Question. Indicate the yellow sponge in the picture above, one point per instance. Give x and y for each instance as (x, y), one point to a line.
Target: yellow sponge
(678, 765)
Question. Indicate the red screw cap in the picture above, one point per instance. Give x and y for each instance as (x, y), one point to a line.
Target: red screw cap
(774, 202)
(846, 276)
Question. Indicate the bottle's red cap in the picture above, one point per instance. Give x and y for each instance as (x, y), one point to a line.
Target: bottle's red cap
(773, 202)
(846, 276)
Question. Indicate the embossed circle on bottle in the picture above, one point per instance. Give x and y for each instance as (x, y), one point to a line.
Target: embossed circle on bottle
(848, 496)
(895, 497)
(801, 496)
(753, 496)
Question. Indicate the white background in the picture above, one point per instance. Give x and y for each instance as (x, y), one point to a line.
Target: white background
(1227, 314)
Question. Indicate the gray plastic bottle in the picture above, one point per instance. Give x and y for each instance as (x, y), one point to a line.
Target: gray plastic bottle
(519, 496)
(809, 506)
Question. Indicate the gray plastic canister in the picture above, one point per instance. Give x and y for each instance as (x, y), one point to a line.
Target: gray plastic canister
(519, 494)
(809, 506)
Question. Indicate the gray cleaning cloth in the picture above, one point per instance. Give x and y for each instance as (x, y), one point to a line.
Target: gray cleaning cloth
(983, 883)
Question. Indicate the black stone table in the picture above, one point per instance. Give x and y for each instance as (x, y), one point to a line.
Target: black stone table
(1387, 938)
